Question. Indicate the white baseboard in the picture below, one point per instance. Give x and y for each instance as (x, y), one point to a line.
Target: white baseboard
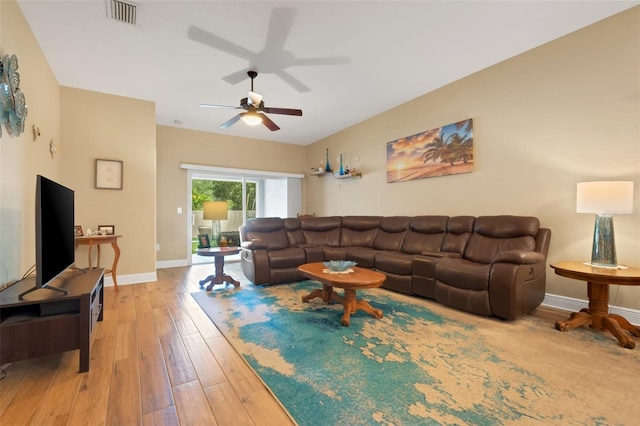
(171, 263)
(131, 279)
(573, 305)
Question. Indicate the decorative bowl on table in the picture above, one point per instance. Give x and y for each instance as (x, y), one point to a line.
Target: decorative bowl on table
(339, 266)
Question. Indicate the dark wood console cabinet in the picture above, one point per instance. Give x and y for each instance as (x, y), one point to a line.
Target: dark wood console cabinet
(47, 322)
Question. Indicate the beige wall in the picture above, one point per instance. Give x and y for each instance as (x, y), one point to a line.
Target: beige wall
(22, 158)
(96, 125)
(563, 113)
(176, 146)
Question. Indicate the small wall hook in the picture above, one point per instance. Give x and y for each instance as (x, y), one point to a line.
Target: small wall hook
(36, 131)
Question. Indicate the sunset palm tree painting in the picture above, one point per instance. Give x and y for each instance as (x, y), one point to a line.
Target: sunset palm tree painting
(447, 150)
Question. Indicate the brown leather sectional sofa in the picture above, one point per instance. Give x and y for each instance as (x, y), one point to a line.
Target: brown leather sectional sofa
(488, 265)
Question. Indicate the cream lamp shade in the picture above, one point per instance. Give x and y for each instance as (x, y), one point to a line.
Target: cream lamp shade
(604, 198)
(215, 210)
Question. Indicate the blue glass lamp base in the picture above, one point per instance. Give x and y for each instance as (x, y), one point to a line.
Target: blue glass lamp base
(603, 253)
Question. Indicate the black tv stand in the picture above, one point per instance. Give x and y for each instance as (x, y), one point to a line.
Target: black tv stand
(47, 323)
(50, 287)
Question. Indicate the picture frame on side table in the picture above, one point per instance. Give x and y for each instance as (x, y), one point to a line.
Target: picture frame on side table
(203, 241)
(106, 229)
(77, 231)
(109, 174)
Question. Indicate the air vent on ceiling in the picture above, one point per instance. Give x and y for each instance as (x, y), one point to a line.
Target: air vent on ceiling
(122, 11)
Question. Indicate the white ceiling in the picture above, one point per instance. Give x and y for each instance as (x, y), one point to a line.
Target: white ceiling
(384, 53)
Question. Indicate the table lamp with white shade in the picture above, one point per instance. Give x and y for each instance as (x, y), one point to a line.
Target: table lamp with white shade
(215, 211)
(604, 198)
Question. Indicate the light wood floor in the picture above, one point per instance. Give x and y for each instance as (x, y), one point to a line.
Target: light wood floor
(156, 359)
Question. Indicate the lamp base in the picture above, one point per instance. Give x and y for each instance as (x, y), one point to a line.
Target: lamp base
(595, 265)
(603, 253)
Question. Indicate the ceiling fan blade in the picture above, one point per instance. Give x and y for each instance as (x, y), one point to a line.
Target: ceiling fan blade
(292, 81)
(279, 26)
(270, 124)
(255, 98)
(205, 37)
(218, 106)
(284, 111)
(330, 60)
(231, 122)
(236, 77)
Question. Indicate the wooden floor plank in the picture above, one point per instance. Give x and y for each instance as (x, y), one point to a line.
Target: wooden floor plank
(227, 405)
(177, 360)
(192, 405)
(90, 407)
(23, 407)
(57, 403)
(126, 341)
(163, 321)
(206, 366)
(124, 407)
(154, 381)
(205, 326)
(165, 417)
(146, 331)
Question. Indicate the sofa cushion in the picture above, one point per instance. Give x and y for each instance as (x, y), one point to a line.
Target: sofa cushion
(359, 231)
(425, 234)
(287, 258)
(294, 232)
(364, 256)
(462, 273)
(494, 234)
(459, 230)
(322, 231)
(268, 230)
(394, 262)
(391, 233)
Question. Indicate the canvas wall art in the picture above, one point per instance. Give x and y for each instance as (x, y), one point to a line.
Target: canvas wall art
(446, 150)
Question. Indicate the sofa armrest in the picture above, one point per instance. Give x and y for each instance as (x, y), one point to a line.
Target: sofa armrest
(520, 257)
(254, 245)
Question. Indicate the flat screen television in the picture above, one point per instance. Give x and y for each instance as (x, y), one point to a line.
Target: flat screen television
(55, 245)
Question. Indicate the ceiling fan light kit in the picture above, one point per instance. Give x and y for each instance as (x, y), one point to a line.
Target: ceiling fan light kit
(251, 118)
(254, 110)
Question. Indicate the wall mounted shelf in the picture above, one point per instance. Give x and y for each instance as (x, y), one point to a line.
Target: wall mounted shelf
(337, 176)
(349, 176)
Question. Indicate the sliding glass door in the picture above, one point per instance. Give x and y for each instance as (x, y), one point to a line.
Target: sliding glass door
(248, 195)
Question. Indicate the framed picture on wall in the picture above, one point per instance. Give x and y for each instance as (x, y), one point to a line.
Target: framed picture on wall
(109, 174)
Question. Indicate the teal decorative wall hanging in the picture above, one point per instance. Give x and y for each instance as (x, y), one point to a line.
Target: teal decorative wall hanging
(13, 106)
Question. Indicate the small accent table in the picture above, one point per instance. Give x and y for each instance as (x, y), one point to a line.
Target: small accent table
(97, 240)
(360, 279)
(597, 315)
(220, 277)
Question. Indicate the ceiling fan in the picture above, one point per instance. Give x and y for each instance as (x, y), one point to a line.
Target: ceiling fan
(254, 109)
(273, 58)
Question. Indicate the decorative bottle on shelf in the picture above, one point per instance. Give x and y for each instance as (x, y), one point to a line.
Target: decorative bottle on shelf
(341, 168)
(327, 167)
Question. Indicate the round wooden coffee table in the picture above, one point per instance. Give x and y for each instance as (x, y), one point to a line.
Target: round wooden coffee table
(361, 278)
(219, 277)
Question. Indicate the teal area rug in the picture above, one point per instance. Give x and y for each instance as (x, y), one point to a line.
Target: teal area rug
(422, 363)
